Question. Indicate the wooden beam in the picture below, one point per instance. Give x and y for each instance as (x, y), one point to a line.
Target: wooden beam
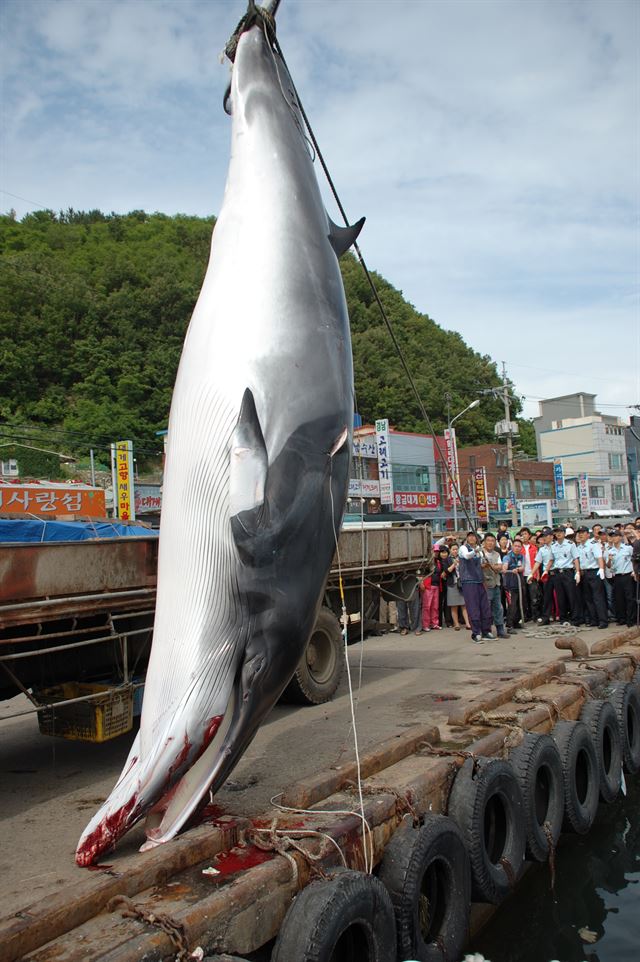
(309, 791)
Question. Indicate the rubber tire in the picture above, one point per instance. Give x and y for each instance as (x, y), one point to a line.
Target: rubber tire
(352, 908)
(469, 801)
(305, 688)
(538, 768)
(436, 848)
(601, 720)
(576, 748)
(626, 703)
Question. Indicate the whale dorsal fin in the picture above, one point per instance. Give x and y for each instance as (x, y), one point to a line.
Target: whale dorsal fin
(341, 238)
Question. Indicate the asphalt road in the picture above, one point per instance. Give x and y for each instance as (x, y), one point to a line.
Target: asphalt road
(50, 788)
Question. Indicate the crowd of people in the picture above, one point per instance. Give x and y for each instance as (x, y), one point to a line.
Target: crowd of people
(577, 576)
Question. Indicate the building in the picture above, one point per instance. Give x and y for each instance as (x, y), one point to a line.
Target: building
(632, 443)
(534, 479)
(591, 449)
(416, 472)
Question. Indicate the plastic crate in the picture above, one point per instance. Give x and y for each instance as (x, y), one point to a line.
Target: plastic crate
(97, 720)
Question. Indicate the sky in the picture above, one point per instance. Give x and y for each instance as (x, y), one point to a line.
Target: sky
(493, 145)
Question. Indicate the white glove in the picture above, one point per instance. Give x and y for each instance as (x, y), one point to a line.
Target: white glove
(601, 573)
(577, 577)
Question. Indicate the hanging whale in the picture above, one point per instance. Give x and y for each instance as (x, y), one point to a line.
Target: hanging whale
(257, 466)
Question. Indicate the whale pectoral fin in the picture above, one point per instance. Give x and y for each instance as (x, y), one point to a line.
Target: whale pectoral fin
(342, 238)
(249, 463)
(168, 815)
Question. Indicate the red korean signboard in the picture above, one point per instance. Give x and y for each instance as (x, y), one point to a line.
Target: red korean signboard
(423, 500)
(50, 500)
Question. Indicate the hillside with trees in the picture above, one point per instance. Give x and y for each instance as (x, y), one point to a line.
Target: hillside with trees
(93, 312)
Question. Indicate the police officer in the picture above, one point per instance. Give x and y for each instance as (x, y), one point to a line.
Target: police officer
(594, 601)
(565, 574)
(623, 587)
(541, 573)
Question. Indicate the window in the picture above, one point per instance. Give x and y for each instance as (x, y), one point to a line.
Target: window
(596, 490)
(503, 488)
(472, 462)
(619, 492)
(410, 477)
(615, 462)
(525, 488)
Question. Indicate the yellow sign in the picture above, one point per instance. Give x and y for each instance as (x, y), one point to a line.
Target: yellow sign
(124, 481)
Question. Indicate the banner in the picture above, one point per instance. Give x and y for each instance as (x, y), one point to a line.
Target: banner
(583, 490)
(384, 463)
(451, 446)
(480, 488)
(365, 488)
(48, 500)
(148, 499)
(424, 500)
(535, 514)
(558, 478)
(123, 496)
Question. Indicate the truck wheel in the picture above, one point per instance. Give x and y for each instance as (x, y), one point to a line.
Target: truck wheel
(319, 671)
(347, 918)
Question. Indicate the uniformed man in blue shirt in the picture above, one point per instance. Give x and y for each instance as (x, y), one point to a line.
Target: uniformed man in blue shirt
(594, 601)
(565, 574)
(541, 572)
(623, 580)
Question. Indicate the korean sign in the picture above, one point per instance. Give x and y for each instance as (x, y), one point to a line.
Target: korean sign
(365, 488)
(452, 462)
(583, 490)
(558, 478)
(49, 500)
(384, 461)
(123, 497)
(480, 488)
(425, 500)
(148, 499)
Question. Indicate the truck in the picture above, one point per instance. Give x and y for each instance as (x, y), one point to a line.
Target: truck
(76, 621)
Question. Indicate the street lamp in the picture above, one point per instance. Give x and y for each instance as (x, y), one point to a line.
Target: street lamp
(453, 447)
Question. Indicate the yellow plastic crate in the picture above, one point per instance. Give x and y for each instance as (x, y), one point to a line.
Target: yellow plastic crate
(97, 720)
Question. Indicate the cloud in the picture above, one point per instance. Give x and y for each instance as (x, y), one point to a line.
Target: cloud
(493, 147)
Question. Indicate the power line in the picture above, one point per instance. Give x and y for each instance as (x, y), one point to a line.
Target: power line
(25, 199)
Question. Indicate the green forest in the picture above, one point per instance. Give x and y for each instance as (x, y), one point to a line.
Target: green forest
(93, 312)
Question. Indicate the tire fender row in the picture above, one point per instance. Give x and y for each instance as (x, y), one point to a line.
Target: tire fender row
(500, 813)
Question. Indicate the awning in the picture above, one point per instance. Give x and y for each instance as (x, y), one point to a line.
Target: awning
(619, 513)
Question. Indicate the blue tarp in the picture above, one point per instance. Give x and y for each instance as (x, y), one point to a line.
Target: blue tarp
(32, 530)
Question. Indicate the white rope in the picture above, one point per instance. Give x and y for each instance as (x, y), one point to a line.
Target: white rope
(368, 867)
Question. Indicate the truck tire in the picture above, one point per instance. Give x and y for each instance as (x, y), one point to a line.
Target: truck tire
(626, 702)
(601, 720)
(427, 874)
(348, 917)
(538, 768)
(319, 671)
(486, 804)
(580, 775)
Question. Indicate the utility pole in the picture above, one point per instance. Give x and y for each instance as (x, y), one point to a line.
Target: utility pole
(507, 416)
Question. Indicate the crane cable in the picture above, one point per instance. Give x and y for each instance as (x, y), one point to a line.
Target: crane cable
(274, 40)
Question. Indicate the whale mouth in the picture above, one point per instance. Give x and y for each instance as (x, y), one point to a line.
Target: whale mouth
(170, 813)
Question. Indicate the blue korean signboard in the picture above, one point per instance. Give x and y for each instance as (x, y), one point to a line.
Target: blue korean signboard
(558, 477)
